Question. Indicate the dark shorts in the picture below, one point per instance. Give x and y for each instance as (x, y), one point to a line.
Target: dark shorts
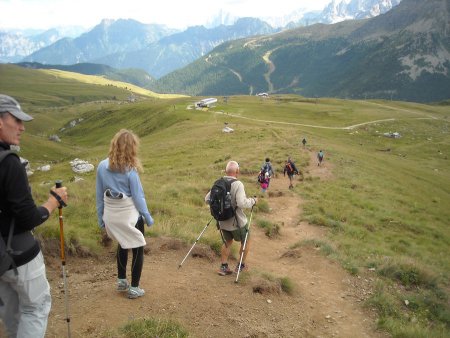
(238, 235)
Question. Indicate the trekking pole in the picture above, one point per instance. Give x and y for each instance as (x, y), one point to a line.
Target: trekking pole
(245, 242)
(199, 236)
(58, 184)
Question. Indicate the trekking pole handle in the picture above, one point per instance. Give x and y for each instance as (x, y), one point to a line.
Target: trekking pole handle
(58, 184)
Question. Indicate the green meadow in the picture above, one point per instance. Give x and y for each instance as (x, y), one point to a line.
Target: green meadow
(386, 207)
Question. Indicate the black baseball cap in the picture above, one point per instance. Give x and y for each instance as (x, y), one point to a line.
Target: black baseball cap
(10, 105)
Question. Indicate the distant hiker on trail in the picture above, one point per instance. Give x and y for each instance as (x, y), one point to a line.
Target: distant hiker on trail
(304, 142)
(290, 169)
(266, 168)
(122, 208)
(265, 182)
(319, 157)
(25, 299)
(236, 227)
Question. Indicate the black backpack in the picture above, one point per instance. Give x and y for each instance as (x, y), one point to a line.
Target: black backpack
(220, 200)
(6, 259)
(262, 174)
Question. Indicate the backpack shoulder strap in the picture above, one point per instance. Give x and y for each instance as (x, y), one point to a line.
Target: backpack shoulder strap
(228, 182)
(5, 153)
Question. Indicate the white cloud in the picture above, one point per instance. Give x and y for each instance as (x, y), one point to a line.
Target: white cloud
(174, 13)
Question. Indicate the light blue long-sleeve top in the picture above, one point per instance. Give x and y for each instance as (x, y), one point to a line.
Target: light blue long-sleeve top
(127, 183)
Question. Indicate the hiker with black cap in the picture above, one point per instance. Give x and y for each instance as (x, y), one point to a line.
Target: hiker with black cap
(236, 227)
(25, 299)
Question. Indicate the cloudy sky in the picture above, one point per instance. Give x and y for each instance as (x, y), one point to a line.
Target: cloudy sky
(43, 14)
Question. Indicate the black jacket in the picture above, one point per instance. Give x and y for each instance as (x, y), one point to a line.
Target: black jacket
(16, 201)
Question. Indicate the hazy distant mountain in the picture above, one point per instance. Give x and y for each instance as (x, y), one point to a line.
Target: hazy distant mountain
(15, 44)
(178, 50)
(402, 54)
(120, 37)
(289, 20)
(335, 11)
(221, 18)
(127, 44)
(341, 10)
(338, 10)
(110, 36)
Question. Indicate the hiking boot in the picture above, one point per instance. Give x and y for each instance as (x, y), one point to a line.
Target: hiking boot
(242, 268)
(224, 270)
(122, 284)
(135, 292)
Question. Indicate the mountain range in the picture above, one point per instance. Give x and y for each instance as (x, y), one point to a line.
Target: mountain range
(403, 54)
(337, 11)
(120, 36)
(400, 54)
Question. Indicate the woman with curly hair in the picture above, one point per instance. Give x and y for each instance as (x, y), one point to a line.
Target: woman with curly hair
(122, 208)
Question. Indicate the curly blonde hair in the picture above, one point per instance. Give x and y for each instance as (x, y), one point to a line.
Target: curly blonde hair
(123, 152)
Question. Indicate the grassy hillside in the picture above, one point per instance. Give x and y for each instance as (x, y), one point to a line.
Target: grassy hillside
(386, 207)
(51, 87)
(133, 76)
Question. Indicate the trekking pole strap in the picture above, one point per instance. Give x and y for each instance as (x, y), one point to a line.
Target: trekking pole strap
(59, 199)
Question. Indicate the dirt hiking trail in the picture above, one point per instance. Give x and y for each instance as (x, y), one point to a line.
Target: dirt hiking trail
(326, 301)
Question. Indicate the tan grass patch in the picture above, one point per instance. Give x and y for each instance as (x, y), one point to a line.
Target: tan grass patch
(265, 286)
(51, 247)
(275, 193)
(294, 253)
(202, 251)
(172, 244)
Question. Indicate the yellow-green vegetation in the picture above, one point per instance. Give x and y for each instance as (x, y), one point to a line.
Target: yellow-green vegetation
(55, 88)
(150, 327)
(271, 229)
(265, 283)
(324, 247)
(98, 80)
(386, 206)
